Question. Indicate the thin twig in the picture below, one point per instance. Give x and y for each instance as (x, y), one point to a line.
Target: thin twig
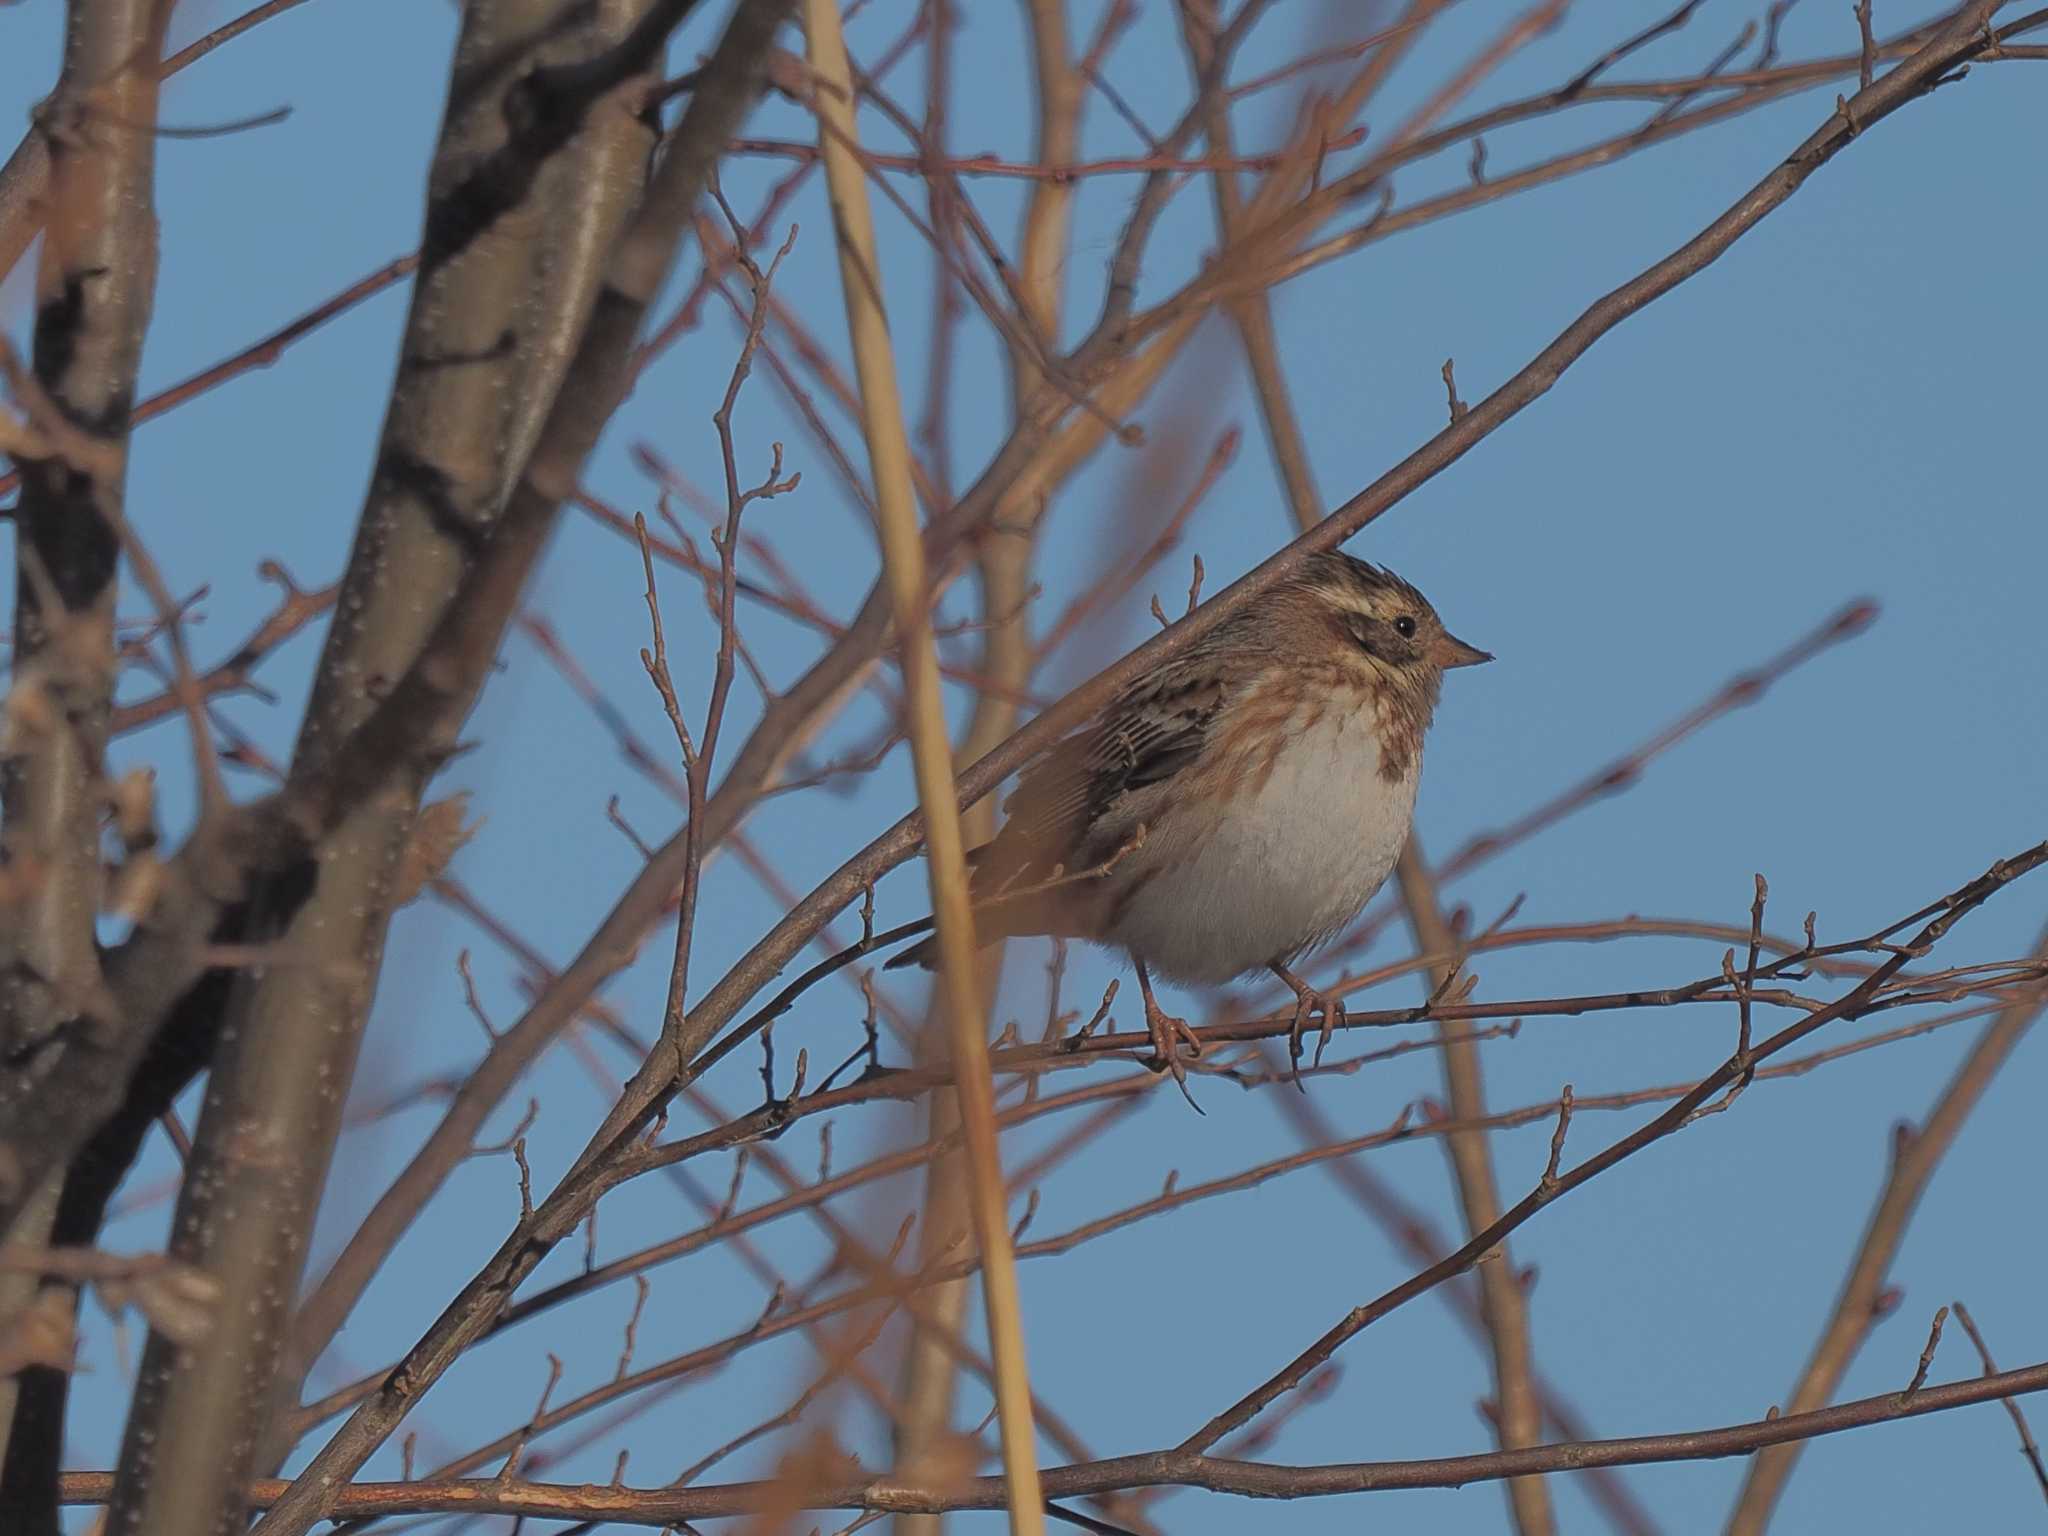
(2028, 1448)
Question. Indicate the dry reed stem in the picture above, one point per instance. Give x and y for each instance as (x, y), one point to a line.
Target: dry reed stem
(931, 753)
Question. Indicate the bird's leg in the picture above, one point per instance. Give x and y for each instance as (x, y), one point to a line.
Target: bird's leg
(1307, 1001)
(1168, 1033)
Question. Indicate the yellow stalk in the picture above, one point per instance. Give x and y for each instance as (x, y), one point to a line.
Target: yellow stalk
(903, 558)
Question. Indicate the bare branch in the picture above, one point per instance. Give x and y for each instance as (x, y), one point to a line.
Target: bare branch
(660, 1507)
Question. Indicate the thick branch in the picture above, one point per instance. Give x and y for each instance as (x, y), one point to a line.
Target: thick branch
(429, 702)
(487, 341)
(95, 285)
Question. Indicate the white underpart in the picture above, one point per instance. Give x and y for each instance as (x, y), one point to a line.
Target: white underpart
(1283, 870)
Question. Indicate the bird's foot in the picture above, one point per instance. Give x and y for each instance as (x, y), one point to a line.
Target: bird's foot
(1308, 1002)
(1169, 1033)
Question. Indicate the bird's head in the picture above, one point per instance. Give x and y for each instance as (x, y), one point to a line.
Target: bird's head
(1385, 624)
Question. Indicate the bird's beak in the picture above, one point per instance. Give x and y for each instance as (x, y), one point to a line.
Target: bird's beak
(1449, 651)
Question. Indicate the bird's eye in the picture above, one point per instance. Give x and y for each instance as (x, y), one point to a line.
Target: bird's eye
(1404, 626)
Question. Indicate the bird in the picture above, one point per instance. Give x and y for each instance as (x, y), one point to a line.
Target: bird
(1236, 807)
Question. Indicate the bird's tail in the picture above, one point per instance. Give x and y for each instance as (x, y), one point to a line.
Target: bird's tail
(925, 954)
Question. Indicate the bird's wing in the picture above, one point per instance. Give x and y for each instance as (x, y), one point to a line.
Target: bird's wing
(1145, 737)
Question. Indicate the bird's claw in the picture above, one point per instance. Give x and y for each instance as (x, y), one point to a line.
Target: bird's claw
(1307, 1003)
(1169, 1033)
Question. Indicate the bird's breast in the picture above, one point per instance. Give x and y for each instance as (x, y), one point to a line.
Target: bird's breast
(1268, 847)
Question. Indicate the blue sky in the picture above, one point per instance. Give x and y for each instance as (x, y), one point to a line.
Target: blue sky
(1846, 405)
